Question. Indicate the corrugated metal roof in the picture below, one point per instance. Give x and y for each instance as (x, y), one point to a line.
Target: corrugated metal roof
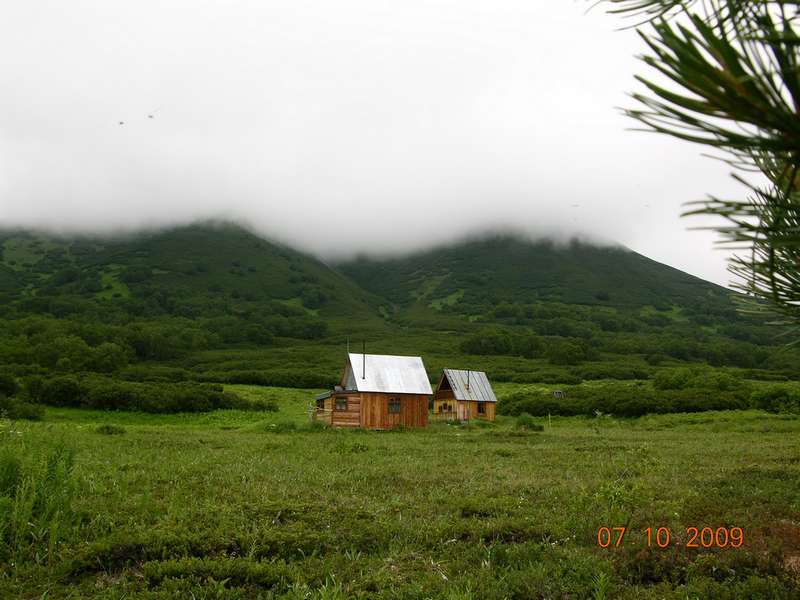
(323, 396)
(388, 374)
(480, 390)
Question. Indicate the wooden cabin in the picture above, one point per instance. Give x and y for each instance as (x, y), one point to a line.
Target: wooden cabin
(377, 392)
(464, 395)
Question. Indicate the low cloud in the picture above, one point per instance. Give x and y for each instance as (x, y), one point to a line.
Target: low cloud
(340, 128)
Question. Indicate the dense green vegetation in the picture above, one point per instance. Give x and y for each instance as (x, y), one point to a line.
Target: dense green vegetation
(234, 504)
(674, 391)
(231, 492)
(216, 304)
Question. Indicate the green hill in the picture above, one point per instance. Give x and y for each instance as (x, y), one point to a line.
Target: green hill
(166, 294)
(198, 271)
(504, 268)
(570, 303)
(219, 303)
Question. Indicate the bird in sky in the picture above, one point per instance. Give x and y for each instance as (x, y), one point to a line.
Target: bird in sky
(122, 122)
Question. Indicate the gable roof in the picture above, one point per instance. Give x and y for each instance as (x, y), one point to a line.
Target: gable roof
(388, 374)
(480, 390)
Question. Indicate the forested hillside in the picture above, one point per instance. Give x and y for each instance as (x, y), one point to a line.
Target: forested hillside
(218, 304)
(570, 303)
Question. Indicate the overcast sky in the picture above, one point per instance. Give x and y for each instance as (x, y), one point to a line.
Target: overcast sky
(341, 126)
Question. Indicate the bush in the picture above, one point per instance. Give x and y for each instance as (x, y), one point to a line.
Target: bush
(61, 391)
(623, 401)
(277, 378)
(487, 342)
(539, 405)
(8, 385)
(528, 423)
(153, 373)
(148, 397)
(564, 377)
(16, 408)
(612, 372)
(567, 352)
(777, 399)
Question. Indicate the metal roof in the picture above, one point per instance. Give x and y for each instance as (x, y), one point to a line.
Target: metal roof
(388, 374)
(323, 396)
(480, 390)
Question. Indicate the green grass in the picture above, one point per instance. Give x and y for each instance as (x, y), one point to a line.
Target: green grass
(448, 300)
(112, 286)
(673, 313)
(428, 286)
(298, 303)
(221, 505)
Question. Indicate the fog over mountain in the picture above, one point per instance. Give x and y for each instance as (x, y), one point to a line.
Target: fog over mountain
(355, 126)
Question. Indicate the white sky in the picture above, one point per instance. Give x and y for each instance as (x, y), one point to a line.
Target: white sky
(341, 126)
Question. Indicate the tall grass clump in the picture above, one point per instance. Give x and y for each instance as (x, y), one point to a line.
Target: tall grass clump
(35, 502)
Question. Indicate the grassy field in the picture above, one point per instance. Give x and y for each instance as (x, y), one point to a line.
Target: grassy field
(236, 504)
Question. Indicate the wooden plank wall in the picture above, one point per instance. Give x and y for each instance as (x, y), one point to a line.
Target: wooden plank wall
(324, 416)
(473, 411)
(376, 415)
(444, 394)
(350, 417)
(450, 403)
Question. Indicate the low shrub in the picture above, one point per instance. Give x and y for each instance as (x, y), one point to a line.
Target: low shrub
(18, 408)
(153, 373)
(777, 399)
(564, 377)
(612, 371)
(623, 401)
(8, 385)
(151, 397)
(59, 391)
(276, 378)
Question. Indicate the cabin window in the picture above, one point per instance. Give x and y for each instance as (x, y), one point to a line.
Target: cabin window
(321, 404)
(394, 405)
(341, 403)
(481, 408)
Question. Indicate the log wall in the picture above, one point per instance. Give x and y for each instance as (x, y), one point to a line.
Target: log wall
(351, 417)
(375, 410)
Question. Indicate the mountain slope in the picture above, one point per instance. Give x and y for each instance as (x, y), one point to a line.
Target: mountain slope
(202, 270)
(480, 273)
(225, 304)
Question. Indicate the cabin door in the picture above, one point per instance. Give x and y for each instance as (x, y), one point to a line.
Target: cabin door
(463, 411)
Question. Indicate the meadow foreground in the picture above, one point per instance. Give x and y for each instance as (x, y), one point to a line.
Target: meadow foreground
(232, 504)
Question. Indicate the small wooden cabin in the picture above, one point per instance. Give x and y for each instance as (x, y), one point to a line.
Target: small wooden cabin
(464, 395)
(377, 392)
